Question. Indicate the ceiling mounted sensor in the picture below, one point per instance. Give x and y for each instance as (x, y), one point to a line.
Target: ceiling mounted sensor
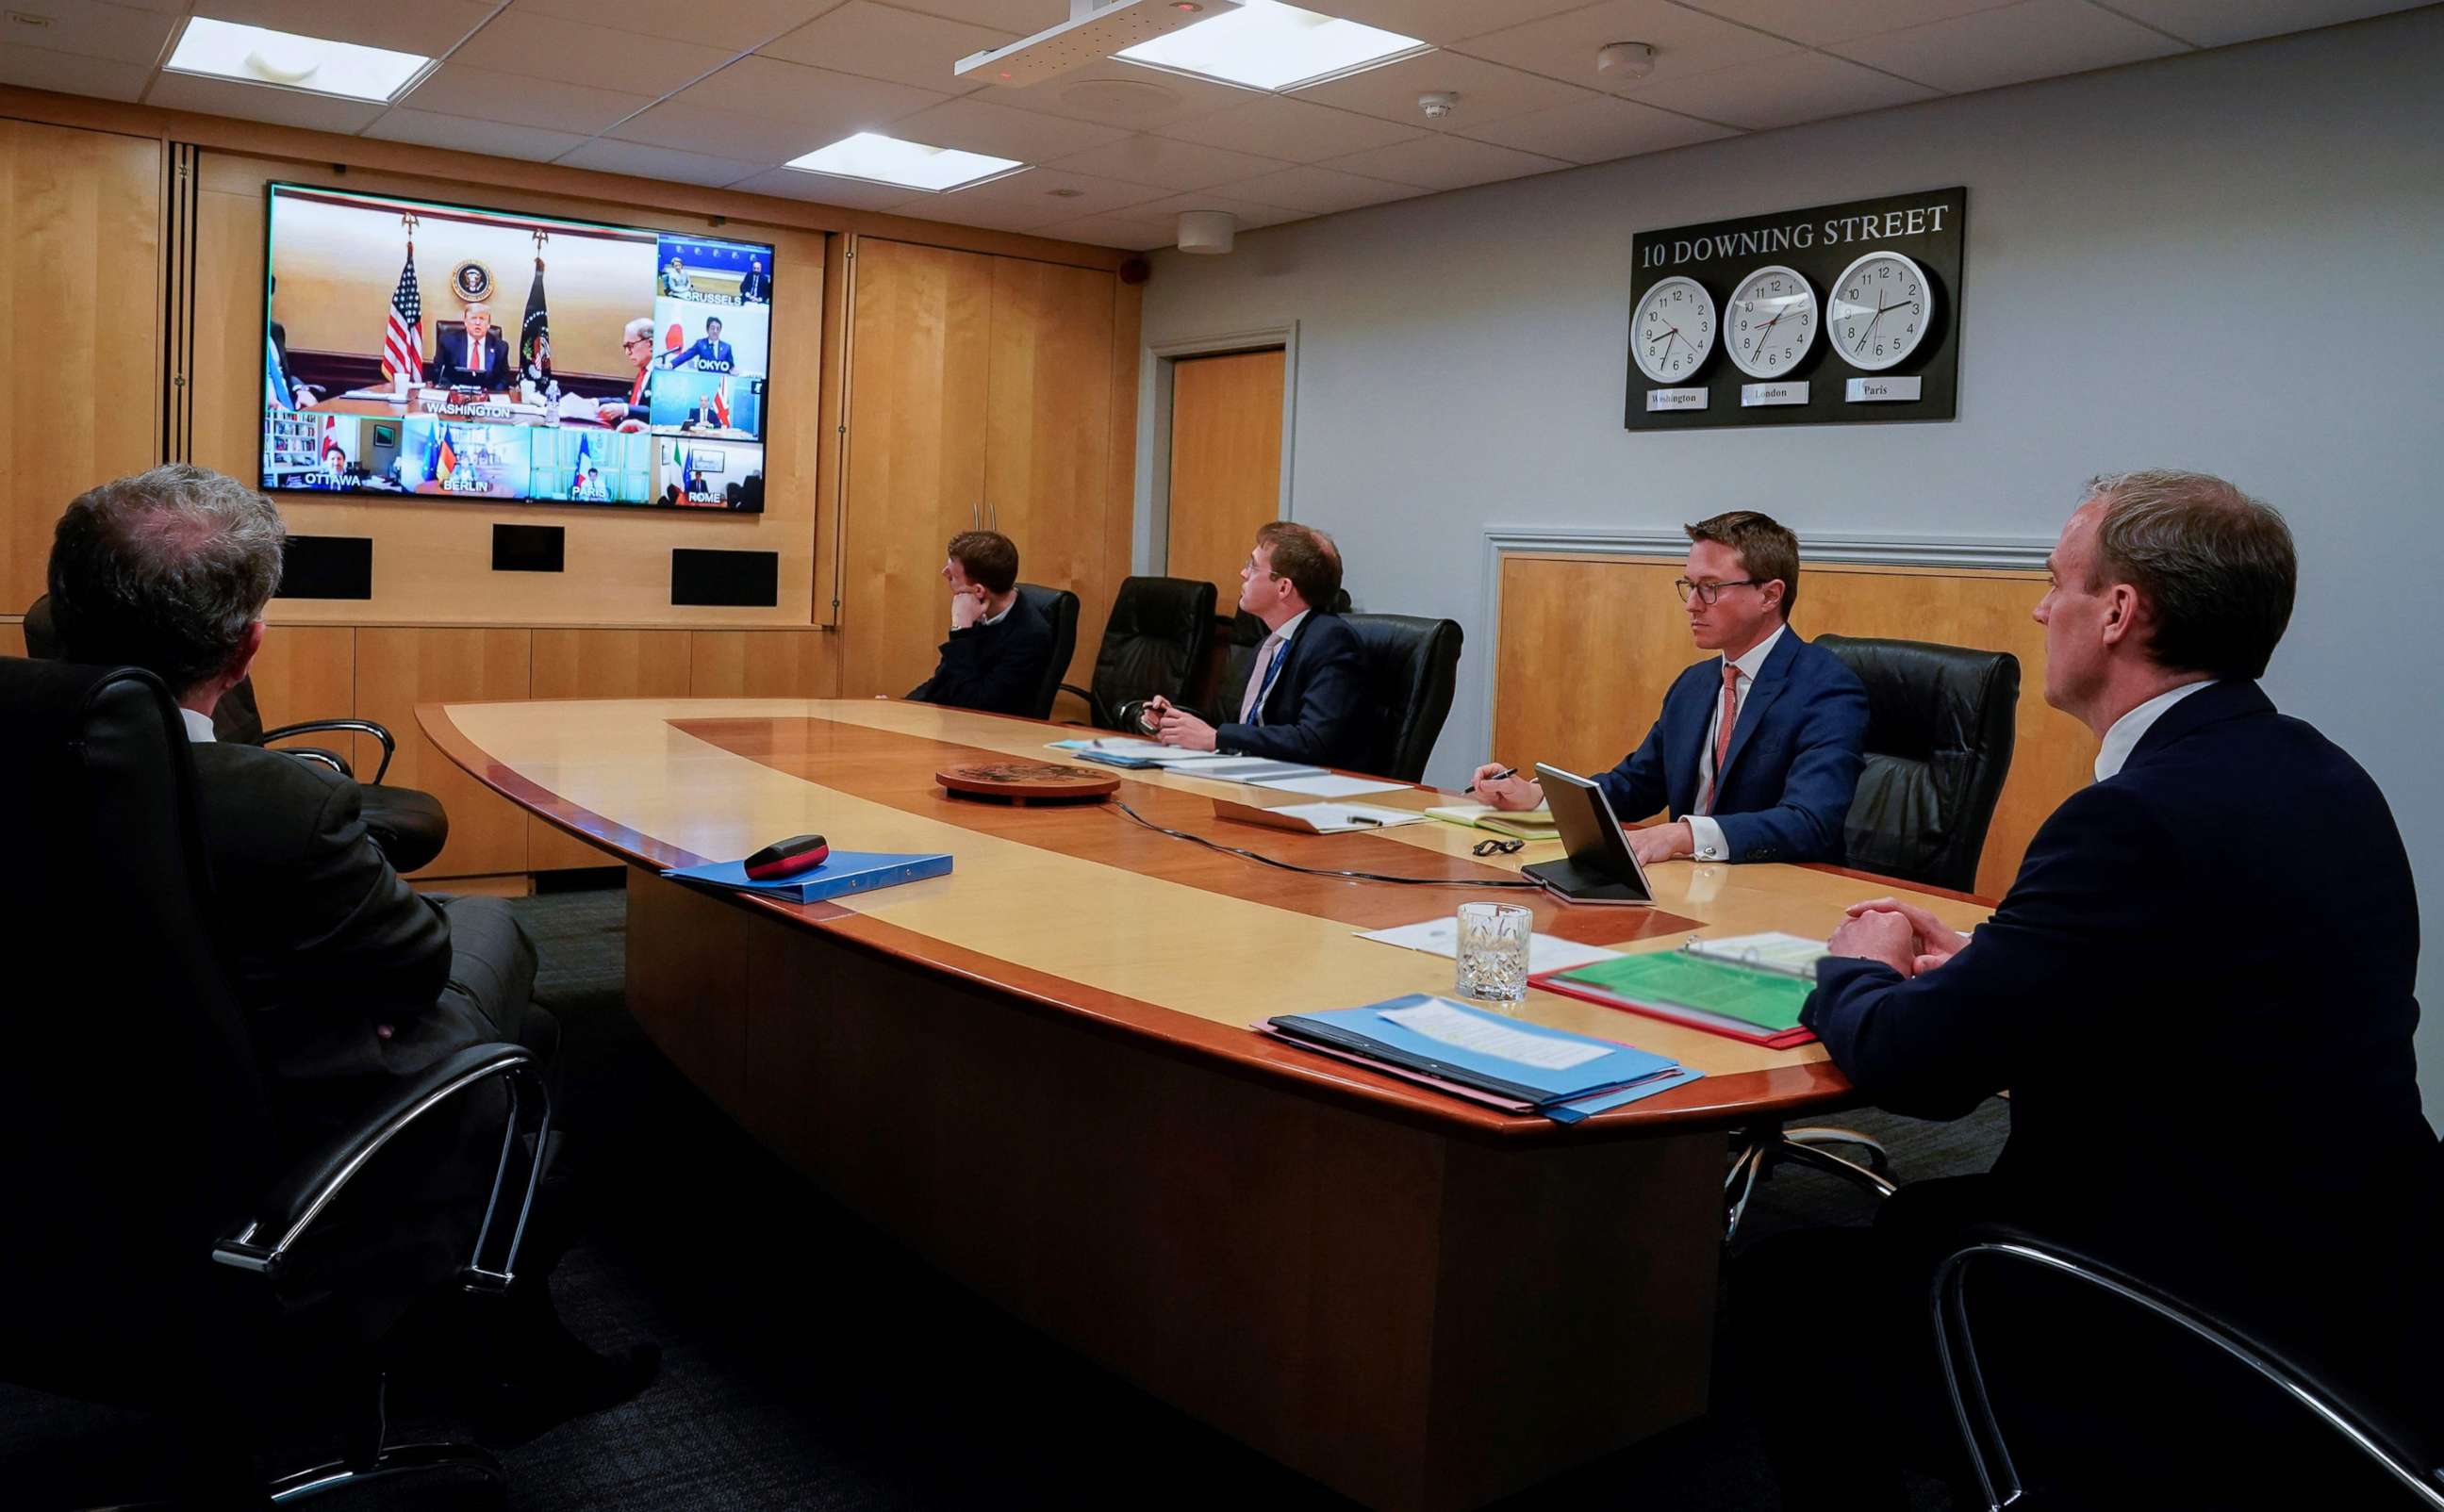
(1439, 103)
(1093, 32)
(1617, 63)
(1210, 232)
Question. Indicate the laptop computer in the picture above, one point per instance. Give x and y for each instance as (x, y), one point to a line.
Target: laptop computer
(1600, 866)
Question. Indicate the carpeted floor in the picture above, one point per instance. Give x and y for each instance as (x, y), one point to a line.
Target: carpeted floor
(812, 1364)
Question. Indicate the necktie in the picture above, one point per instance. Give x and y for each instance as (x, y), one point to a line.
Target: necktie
(1723, 733)
(1269, 655)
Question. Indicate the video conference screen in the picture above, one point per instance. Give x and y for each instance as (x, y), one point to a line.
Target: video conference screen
(450, 352)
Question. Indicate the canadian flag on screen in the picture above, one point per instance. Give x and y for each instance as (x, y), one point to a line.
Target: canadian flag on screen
(403, 347)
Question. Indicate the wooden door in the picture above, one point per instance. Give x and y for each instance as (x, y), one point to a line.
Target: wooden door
(1226, 463)
(79, 298)
(922, 336)
(1049, 447)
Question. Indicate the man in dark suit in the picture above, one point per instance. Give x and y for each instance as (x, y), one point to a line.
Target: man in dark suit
(635, 411)
(756, 287)
(1305, 695)
(303, 395)
(1756, 755)
(1000, 646)
(2207, 1039)
(710, 354)
(352, 981)
(475, 357)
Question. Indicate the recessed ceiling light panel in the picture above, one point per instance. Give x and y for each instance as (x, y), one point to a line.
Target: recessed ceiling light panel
(911, 165)
(1092, 33)
(284, 60)
(1266, 44)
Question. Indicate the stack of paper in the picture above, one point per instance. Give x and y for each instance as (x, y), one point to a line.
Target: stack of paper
(1318, 819)
(1545, 952)
(1524, 824)
(1485, 1058)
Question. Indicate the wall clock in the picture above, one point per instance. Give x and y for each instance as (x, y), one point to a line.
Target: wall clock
(1672, 330)
(1771, 321)
(1881, 304)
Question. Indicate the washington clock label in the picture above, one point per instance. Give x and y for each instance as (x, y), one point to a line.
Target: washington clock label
(1843, 314)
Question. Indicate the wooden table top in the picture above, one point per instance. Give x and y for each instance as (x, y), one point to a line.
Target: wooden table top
(1082, 912)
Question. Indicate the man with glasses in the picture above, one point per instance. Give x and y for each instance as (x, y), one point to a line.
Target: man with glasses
(637, 347)
(1757, 751)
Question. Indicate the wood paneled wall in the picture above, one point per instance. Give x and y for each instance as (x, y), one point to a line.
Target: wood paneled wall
(1588, 644)
(80, 263)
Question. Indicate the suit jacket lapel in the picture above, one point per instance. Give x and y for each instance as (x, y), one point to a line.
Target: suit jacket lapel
(1769, 680)
(1281, 680)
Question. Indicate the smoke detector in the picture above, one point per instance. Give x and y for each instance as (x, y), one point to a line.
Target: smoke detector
(1617, 63)
(1439, 103)
(1093, 32)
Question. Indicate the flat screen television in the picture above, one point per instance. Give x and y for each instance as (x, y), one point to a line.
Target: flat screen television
(450, 352)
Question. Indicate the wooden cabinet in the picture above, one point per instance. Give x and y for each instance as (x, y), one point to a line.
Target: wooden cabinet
(980, 391)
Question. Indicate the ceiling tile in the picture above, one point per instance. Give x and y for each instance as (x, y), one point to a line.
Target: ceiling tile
(1817, 22)
(1165, 163)
(1599, 129)
(1123, 95)
(1020, 18)
(1783, 91)
(836, 104)
(2035, 39)
(2215, 22)
(980, 126)
(1445, 162)
(1026, 199)
(1251, 216)
(1111, 231)
(1488, 91)
(823, 188)
(678, 123)
(167, 7)
(463, 89)
(498, 139)
(90, 29)
(1321, 190)
(40, 68)
(428, 28)
(1291, 130)
(1685, 42)
(884, 43)
(1441, 21)
(736, 25)
(535, 46)
(643, 161)
(287, 107)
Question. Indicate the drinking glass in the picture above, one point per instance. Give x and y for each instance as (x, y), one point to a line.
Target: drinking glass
(1493, 951)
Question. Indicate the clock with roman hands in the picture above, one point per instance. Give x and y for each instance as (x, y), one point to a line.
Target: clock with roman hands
(1673, 330)
(1770, 322)
(1880, 309)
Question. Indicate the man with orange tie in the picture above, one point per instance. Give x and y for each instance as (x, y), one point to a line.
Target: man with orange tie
(1757, 752)
(638, 408)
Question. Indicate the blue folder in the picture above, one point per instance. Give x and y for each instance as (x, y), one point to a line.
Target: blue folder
(843, 872)
(1619, 1075)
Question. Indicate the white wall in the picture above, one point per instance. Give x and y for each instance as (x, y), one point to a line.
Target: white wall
(2232, 261)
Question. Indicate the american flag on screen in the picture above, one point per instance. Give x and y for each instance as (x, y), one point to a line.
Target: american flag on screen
(403, 347)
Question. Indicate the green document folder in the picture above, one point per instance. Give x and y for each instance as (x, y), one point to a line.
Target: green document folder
(1768, 1000)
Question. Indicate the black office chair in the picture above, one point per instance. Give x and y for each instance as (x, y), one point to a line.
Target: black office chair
(2402, 1446)
(1059, 607)
(1941, 721)
(161, 1255)
(409, 824)
(1411, 666)
(1155, 642)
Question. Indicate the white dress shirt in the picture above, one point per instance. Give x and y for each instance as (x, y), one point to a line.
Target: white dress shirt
(2132, 727)
(1256, 714)
(199, 726)
(1703, 831)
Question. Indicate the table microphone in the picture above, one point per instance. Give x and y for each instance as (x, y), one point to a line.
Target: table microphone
(783, 858)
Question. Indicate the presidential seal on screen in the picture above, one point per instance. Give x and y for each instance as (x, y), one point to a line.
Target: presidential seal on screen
(472, 282)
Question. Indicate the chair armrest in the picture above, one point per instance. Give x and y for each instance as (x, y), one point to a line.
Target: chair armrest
(289, 1211)
(322, 757)
(360, 726)
(1086, 696)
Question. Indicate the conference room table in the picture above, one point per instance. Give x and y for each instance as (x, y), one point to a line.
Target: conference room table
(1039, 1071)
